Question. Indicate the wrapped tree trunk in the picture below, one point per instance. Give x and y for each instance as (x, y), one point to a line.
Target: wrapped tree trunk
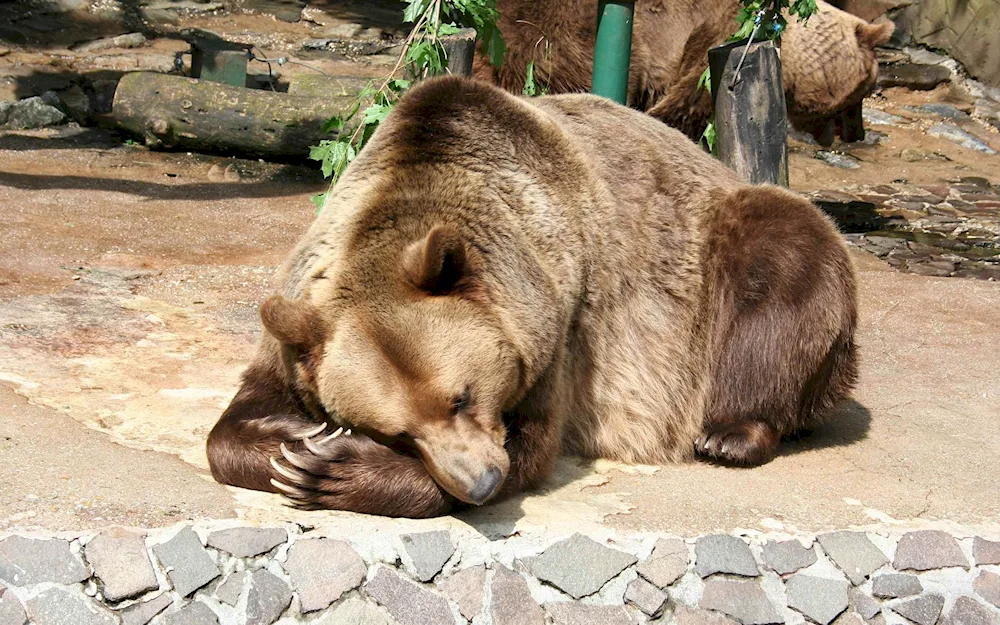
(180, 112)
(751, 123)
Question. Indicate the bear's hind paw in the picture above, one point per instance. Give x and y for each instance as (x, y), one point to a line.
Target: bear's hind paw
(745, 443)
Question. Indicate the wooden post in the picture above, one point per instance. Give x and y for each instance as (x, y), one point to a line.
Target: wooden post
(461, 51)
(751, 122)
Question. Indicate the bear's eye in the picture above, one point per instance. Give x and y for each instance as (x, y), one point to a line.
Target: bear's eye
(460, 403)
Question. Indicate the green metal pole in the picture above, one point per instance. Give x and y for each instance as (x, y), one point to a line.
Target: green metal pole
(613, 49)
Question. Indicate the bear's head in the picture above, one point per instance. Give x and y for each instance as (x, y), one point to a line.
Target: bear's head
(829, 65)
(408, 352)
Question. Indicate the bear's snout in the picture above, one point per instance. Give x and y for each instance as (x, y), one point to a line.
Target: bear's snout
(465, 461)
(486, 485)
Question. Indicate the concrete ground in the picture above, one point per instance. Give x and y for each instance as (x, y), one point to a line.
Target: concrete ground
(129, 282)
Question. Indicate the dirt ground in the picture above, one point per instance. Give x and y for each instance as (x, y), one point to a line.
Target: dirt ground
(130, 280)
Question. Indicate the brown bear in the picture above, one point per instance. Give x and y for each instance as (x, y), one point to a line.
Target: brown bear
(828, 63)
(498, 280)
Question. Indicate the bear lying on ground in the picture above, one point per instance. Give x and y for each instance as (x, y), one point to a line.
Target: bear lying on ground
(828, 63)
(499, 280)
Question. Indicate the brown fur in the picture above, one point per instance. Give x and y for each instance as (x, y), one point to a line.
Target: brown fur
(498, 280)
(828, 63)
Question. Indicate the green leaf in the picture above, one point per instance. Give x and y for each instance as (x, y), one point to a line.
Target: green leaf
(375, 113)
(705, 81)
(496, 48)
(317, 201)
(414, 9)
(709, 136)
(445, 29)
(530, 88)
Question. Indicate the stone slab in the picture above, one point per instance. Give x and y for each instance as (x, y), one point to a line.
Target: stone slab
(194, 613)
(142, 613)
(722, 553)
(428, 551)
(566, 613)
(928, 549)
(666, 564)
(27, 561)
(968, 611)
(323, 569)
(11, 610)
(121, 563)
(406, 601)
(923, 610)
(267, 598)
(189, 567)
(466, 588)
(649, 599)
(744, 601)
(579, 565)
(510, 600)
(230, 590)
(247, 542)
(896, 585)
(865, 605)
(987, 586)
(985, 551)
(820, 599)
(59, 606)
(354, 611)
(854, 553)
(684, 615)
(33, 112)
(787, 556)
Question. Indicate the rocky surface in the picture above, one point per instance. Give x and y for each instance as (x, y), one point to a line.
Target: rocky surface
(851, 578)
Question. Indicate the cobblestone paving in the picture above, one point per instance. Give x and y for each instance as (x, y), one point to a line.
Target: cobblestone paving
(221, 573)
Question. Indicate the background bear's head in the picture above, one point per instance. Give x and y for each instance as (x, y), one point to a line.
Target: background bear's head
(828, 64)
(407, 352)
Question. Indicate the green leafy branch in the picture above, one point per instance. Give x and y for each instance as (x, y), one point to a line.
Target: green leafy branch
(758, 19)
(423, 54)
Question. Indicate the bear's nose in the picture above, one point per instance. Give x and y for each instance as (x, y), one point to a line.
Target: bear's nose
(485, 486)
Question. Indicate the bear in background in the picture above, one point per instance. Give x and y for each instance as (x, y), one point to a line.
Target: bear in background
(828, 63)
(496, 281)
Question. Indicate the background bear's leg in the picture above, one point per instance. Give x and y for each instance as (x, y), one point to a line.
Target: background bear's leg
(784, 348)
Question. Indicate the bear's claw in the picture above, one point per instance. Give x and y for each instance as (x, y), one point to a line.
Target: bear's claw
(299, 474)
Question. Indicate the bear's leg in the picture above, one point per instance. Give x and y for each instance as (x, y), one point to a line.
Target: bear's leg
(265, 426)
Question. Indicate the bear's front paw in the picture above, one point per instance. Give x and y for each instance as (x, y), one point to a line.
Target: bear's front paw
(342, 471)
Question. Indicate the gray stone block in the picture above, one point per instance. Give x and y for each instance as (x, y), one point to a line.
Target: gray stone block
(580, 566)
(923, 610)
(787, 556)
(968, 611)
(121, 564)
(854, 553)
(987, 586)
(722, 553)
(566, 613)
(649, 599)
(268, 597)
(428, 551)
(822, 600)
(354, 611)
(11, 610)
(323, 569)
(188, 565)
(744, 601)
(896, 585)
(866, 606)
(683, 615)
(60, 606)
(142, 613)
(230, 590)
(247, 542)
(928, 549)
(667, 563)
(408, 602)
(511, 602)
(27, 561)
(985, 551)
(466, 588)
(194, 613)
(33, 112)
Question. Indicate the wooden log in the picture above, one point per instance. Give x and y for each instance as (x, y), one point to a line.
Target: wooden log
(460, 49)
(179, 112)
(751, 122)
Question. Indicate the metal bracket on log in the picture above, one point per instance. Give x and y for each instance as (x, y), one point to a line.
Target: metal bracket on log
(751, 123)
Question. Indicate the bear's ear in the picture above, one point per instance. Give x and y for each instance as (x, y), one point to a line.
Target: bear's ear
(293, 322)
(438, 263)
(871, 35)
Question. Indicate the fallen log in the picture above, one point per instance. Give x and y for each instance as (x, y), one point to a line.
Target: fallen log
(187, 113)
